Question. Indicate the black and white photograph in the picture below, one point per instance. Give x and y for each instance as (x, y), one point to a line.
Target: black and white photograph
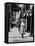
(19, 22)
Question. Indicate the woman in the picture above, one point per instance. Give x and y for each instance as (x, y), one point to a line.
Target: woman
(22, 25)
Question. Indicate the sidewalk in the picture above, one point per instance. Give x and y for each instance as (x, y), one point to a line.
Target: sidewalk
(15, 36)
